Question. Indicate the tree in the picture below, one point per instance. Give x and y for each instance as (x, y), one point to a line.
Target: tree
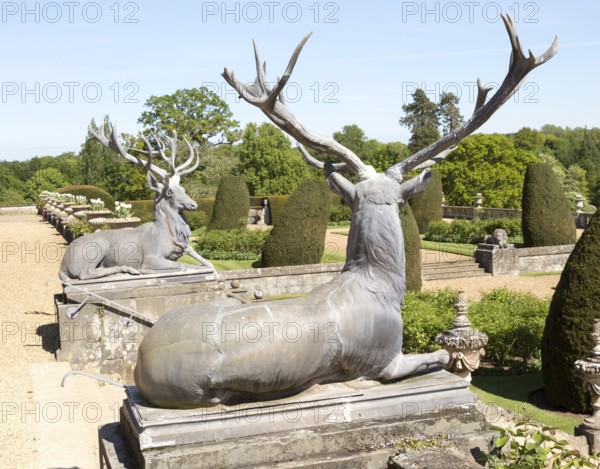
(427, 206)
(488, 164)
(267, 161)
(412, 249)
(196, 113)
(48, 179)
(422, 120)
(547, 218)
(449, 115)
(232, 203)
(387, 155)
(352, 137)
(299, 236)
(529, 140)
(568, 332)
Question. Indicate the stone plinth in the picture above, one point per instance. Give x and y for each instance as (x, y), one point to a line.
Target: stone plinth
(94, 331)
(325, 426)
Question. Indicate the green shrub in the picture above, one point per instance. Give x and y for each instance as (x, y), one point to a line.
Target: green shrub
(240, 244)
(568, 332)
(472, 231)
(91, 192)
(412, 249)
(232, 203)
(427, 206)
(425, 315)
(547, 218)
(514, 323)
(340, 214)
(298, 237)
(80, 228)
(196, 219)
(145, 210)
(11, 198)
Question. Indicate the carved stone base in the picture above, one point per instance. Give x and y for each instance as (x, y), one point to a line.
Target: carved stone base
(592, 436)
(326, 426)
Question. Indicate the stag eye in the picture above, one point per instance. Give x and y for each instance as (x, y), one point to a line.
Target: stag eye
(169, 193)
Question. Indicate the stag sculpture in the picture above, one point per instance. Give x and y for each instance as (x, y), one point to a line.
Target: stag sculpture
(347, 329)
(153, 247)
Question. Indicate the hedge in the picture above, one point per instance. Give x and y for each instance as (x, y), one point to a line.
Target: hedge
(232, 203)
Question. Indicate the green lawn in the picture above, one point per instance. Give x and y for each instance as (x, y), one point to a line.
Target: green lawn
(329, 256)
(511, 393)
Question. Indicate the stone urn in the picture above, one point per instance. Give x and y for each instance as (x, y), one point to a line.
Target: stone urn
(115, 223)
(93, 214)
(464, 344)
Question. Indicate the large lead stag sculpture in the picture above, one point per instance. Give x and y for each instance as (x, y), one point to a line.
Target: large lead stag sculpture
(347, 329)
(153, 247)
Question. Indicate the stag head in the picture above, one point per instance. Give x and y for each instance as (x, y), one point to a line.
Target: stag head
(271, 101)
(165, 184)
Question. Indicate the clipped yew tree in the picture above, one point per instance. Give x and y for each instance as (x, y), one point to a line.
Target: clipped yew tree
(232, 203)
(412, 249)
(547, 218)
(569, 325)
(427, 206)
(298, 236)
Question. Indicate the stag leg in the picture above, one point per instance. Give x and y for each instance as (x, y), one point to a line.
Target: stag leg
(405, 365)
(192, 253)
(106, 271)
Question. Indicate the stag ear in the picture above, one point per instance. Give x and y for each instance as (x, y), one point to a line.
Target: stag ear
(414, 186)
(341, 186)
(153, 183)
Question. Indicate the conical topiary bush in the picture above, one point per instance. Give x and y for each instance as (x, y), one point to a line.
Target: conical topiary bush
(569, 325)
(232, 203)
(427, 206)
(298, 237)
(412, 249)
(547, 218)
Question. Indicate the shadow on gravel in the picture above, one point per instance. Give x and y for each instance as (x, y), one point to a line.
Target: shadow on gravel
(50, 337)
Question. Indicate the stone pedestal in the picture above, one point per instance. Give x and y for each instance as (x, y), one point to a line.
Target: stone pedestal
(94, 330)
(326, 426)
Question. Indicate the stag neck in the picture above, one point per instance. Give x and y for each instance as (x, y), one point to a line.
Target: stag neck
(171, 221)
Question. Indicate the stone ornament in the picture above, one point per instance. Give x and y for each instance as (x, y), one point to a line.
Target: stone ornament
(590, 370)
(499, 238)
(153, 247)
(464, 344)
(350, 328)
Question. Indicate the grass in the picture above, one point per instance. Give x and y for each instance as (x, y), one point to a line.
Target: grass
(512, 392)
(453, 248)
(329, 256)
(539, 274)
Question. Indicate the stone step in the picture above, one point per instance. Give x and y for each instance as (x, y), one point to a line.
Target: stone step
(360, 460)
(463, 274)
(433, 459)
(450, 267)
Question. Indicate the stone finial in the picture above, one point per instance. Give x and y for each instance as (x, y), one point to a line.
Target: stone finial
(478, 200)
(464, 344)
(589, 369)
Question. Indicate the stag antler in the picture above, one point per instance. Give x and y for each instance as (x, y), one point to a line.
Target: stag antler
(271, 102)
(162, 143)
(519, 67)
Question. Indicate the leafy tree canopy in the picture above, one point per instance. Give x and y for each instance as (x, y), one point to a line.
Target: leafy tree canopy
(267, 161)
(489, 164)
(198, 113)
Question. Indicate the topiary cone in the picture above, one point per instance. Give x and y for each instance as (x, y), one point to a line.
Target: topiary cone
(569, 325)
(412, 249)
(547, 218)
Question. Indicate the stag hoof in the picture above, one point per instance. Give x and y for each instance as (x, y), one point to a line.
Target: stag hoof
(131, 270)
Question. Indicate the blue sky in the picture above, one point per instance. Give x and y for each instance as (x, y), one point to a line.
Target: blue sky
(64, 63)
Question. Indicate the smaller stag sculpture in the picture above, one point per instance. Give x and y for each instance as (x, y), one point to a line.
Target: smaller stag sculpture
(153, 247)
(347, 329)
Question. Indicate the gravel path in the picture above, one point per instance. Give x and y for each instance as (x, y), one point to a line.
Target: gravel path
(30, 254)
